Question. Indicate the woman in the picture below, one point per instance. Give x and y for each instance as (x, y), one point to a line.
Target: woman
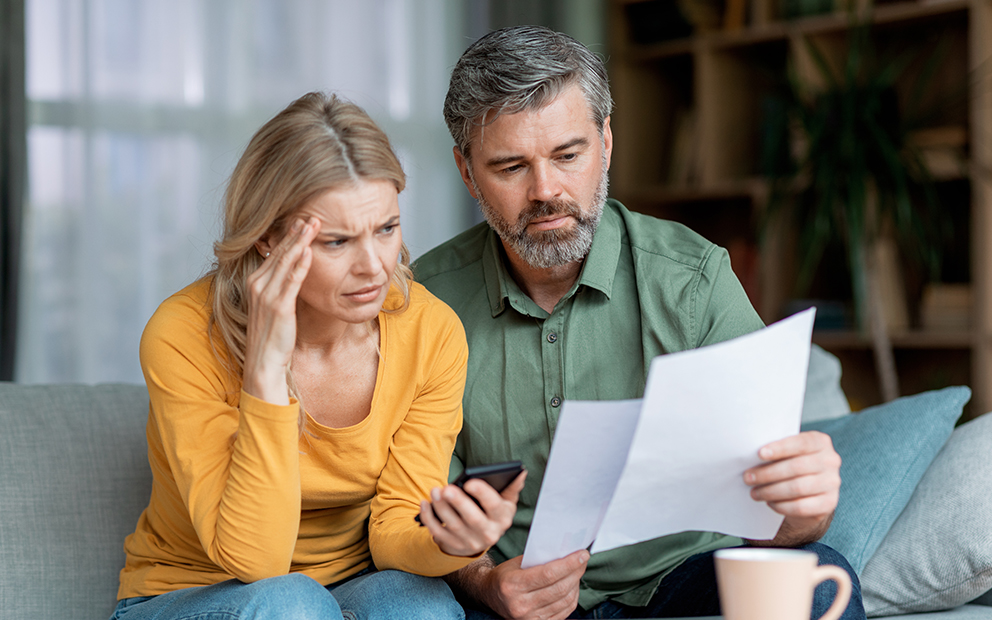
(305, 399)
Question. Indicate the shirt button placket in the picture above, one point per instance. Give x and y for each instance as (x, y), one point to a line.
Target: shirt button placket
(554, 380)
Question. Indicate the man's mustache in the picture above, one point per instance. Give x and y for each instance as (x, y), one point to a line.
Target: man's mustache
(548, 208)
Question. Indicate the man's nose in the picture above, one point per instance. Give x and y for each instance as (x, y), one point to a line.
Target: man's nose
(545, 183)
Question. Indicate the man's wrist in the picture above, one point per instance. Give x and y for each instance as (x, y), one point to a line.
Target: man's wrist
(471, 582)
(791, 535)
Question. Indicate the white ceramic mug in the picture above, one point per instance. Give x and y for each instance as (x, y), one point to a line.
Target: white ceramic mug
(775, 584)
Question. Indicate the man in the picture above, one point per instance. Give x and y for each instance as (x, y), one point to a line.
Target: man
(565, 294)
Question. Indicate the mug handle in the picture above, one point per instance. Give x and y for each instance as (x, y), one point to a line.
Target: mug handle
(843, 580)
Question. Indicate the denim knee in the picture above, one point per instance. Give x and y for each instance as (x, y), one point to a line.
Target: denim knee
(291, 597)
(824, 594)
(396, 594)
(287, 597)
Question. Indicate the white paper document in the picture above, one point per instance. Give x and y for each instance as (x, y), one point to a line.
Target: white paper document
(622, 472)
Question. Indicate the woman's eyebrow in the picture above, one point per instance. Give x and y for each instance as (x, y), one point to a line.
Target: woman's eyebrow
(392, 221)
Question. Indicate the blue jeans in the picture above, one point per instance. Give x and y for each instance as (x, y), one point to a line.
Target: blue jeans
(372, 595)
(690, 591)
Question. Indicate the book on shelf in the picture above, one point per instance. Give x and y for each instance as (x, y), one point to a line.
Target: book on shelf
(745, 260)
(734, 15)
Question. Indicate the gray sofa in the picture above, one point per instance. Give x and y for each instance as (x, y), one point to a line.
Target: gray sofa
(74, 477)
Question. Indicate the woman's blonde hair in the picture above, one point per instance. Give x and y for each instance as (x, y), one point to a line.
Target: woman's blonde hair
(318, 143)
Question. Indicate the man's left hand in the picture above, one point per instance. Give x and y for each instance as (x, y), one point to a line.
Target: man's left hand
(800, 479)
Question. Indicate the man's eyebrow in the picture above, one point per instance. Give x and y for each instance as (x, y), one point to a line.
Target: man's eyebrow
(495, 162)
(571, 144)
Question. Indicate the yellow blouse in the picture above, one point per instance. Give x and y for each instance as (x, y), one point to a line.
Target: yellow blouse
(238, 492)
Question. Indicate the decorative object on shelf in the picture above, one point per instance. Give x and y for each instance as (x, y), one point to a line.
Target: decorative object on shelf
(946, 307)
(942, 150)
(860, 181)
(704, 15)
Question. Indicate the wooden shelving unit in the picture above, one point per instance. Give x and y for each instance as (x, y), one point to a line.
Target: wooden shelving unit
(688, 130)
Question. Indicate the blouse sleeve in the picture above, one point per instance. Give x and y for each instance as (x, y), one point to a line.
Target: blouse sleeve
(234, 459)
(420, 453)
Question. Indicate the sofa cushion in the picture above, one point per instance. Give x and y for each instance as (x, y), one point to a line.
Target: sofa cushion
(885, 451)
(938, 553)
(824, 399)
(965, 612)
(74, 477)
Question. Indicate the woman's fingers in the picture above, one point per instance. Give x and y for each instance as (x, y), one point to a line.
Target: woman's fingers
(468, 528)
(283, 263)
(272, 290)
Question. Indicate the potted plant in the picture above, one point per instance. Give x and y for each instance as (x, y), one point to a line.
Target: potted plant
(855, 177)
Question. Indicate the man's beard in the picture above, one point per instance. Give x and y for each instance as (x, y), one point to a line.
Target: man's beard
(549, 248)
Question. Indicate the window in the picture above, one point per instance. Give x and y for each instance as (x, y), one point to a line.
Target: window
(138, 110)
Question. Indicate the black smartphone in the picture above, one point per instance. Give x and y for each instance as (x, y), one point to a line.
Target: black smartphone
(497, 475)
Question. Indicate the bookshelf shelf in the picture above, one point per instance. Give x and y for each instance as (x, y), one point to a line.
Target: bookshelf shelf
(727, 190)
(658, 51)
(689, 127)
(894, 14)
(900, 340)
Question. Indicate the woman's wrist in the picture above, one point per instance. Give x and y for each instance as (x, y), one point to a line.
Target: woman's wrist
(268, 384)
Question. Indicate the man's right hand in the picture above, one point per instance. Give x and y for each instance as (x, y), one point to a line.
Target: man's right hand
(548, 591)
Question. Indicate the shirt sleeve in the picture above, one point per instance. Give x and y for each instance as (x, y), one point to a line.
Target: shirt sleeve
(419, 456)
(721, 308)
(234, 459)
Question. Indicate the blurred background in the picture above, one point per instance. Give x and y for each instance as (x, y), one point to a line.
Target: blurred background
(137, 110)
(838, 148)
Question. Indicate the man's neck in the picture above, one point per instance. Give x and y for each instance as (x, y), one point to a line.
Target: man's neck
(545, 286)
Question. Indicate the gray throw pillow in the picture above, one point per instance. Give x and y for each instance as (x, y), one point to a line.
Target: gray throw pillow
(938, 553)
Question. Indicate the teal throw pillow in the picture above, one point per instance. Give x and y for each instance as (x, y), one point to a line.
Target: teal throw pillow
(885, 450)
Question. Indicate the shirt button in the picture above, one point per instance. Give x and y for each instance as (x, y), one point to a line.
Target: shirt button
(555, 401)
(552, 337)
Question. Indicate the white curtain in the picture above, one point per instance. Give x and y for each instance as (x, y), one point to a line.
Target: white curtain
(138, 110)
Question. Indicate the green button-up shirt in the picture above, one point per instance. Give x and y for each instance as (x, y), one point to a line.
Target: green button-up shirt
(647, 287)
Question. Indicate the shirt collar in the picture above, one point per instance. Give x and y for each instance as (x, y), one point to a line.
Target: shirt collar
(598, 271)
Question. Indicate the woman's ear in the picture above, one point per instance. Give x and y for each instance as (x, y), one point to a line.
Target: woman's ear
(264, 246)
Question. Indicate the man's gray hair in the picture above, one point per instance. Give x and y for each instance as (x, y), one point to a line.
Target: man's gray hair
(517, 69)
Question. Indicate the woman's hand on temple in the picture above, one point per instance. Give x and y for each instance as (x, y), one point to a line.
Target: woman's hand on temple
(271, 330)
(467, 528)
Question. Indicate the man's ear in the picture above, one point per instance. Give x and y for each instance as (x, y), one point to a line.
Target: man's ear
(608, 141)
(463, 165)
